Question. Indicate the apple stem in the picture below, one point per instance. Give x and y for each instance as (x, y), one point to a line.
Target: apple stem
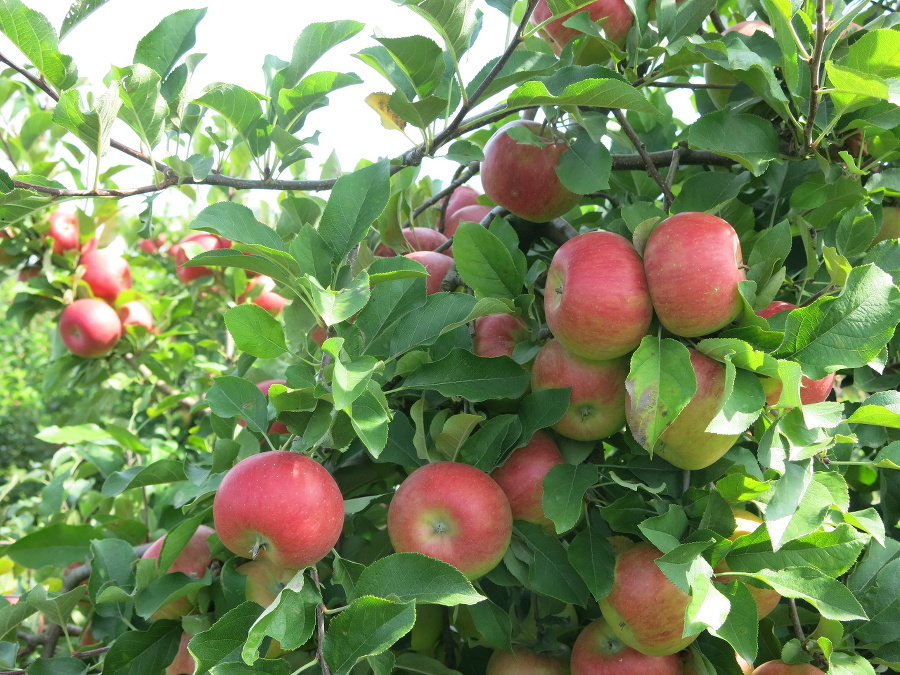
(795, 619)
(260, 545)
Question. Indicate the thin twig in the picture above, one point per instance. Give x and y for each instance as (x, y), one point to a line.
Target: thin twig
(642, 151)
(463, 175)
(795, 619)
(320, 625)
(670, 177)
(716, 19)
(815, 66)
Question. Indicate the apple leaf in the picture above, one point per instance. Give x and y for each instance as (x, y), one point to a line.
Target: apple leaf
(415, 577)
(710, 191)
(493, 624)
(708, 607)
(227, 635)
(369, 415)
(880, 409)
(743, 402)
(314, 41)
(149, 651)
(237, 223)
(484, 448)
(456, 21)
(749, 140)
(143, 107)
(56, 545)
(476, 378)
(881, 601)
(551, 573)
(485, 264)
(608, 93)
(255, 331)
(33, 34)
(57, 608)
(425, 325)
(665, 531)
(177, 538)
(370, 626)
(232, 396)
(660, 384)
(243, 110)
(585, 166)
(158, 473)
(741, 627)
(93, 127)
(563, 493)
(290, 619)
(167, 589)
(829, 596)
(541, 409)
(592, 556)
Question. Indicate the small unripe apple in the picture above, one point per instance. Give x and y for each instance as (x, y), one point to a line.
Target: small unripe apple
(522, 478)
(65, 232)
(693, 264)
(135, 313)
(90, 328)
(615, 15)
(781, 668)
(106, 273)
(417, 239)
(599, 651)
(472, 214)
(522, 177)
(716, 74)
(437, 266)
(521, 661)
(193, 561)
(597, 403)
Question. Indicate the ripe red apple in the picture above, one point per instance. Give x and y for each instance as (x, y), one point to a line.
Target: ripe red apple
(522, 478)
(615, 15)
(890, 224)
(437, 266)
(599, 651)
(596, 297)
(319, 335)
(811, 391)
(135, 313)
(766, 598)
(460, 197)
(685, 442)
(644, 609)
(522, 177)
(266, 298)
(472, 214)
(498, 334)
(90, 328)
(716, 74)
(106, 273)
(521, 661)
(183, 664)
(264, 580)
(452, 512)
(202, 240)
(193, 561)
(417, 239)
(65, 232)
(693, 264)
(597, 404)
(782, 668)
(279, 506)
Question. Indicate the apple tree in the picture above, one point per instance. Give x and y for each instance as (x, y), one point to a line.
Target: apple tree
(636, 403)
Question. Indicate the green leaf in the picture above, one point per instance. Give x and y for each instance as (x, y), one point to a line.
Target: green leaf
(236, 397)
(880, 409)
(476, 378)
(58, 608)
(57, 545)
(314, 41)
(227, 257)
(868, 71)
(708, 607)
(141, 652)
(413, 662)
(660, 384)
(370, 626)
(370, 416)
(160, 472)
(59, 665)
(493, 624)
(420, 60)
(290, 619)
(608, 93)
(226, 635)
(351, 378)
(162, 47)
(92, 128)
(744, 401)
(881, 601)
(484, 448)
(541, 409)
(584, 167)
(749, 140)
(177, 538)
(551, 573)
(336, 306)
(236, 222)
(33, 34)
(830, 597)
(356, 201)
(440, 313)
(847, 331)
(78, 12)
(413, 577)
(456, 21)
(143, 107)
(11, 615)
(665, 531)
(591, 554)
(710, 191)
(741, 627)
(310, 94)
(255, 331)
(564, 488)
(243, 110)
(485, 264)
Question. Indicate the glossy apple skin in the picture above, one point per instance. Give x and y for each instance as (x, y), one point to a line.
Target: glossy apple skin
(766, 598)
(106, 273)
(521, 661)
(284, 502)
(522, 476)
(206, 242)
(460, 197)
(90, 328)
(498, 334)
(597, 404)
(437, 265)
(693, 264)
(452, 512)
(811, 391)
(417, 239)
(596, 297)
(599, 651)
(183, 664)
(193, 561)
(644, 609)
(267, 298)
(264, 580)
(685, 442)
(619, 20)
(522, 178)
(135, 313)
(715, 74)
(65, 232)
(781, 668)
(472, 214)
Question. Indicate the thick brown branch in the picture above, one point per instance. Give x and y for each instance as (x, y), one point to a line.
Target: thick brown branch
(642, 151)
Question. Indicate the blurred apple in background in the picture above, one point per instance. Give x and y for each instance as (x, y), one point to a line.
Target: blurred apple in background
(90, 328)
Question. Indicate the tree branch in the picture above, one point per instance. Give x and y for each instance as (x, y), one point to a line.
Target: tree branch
(320, 625)
(642, 151)
(815, 66)
(463, 176)
(716, 19)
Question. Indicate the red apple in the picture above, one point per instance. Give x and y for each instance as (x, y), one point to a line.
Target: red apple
(766, 598)
(599, 651)
(460, 197)
(183, 664)
(65, 232)
(693, 264)
(498, 334)
(437, 265)
(685, 442)
(279, 506)
(782, 668)
(319, 335)
(90, 328)
(152, 246)
(417, 239)
(266, 298)
(193, 561)
(615, 15)
(452, 512)
(597, 404)
(135, 313)
(472, 214)
(521, 661)
(522, 177)
(716, 74)
(106, 273)
(522, 478)
(644, 609)
(811, 391)
(185, 249)
(596, 298)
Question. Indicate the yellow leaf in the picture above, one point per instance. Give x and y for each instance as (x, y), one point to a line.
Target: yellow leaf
(389, 119)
